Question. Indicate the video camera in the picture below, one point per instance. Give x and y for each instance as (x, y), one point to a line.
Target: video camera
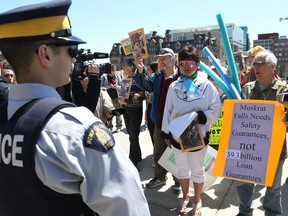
(118, 111)
(84, 59)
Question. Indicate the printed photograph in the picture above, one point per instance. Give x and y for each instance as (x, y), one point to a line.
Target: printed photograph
(125, 88)
(191, 139)
(138, 43)
(126, 45)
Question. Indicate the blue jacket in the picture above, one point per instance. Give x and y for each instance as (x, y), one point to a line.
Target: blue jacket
(151, 83)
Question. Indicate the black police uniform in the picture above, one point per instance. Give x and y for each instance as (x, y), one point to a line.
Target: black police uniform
(74, 160)
(17, 162)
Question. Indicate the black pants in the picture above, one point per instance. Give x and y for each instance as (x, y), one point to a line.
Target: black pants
(133, 119)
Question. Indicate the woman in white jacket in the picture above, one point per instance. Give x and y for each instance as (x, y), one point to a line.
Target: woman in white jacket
(191, 92)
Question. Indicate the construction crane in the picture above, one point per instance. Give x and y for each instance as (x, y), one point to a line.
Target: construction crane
(283, 18)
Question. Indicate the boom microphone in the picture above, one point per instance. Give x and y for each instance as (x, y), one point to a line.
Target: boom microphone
(99, 55)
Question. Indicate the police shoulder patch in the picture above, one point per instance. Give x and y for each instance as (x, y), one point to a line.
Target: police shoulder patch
(98, 137)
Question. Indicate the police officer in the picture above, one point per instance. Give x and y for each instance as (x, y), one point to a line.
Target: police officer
(76, 167)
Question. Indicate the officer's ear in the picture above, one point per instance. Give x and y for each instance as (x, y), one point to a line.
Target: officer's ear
(44, 54)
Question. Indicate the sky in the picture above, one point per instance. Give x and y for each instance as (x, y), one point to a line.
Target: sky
(101, 23)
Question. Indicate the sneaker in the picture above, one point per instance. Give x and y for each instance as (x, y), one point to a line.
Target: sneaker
(154, 182)
(177, 188)
(246, 214)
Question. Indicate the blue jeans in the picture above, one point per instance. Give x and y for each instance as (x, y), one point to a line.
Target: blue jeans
(272, 198)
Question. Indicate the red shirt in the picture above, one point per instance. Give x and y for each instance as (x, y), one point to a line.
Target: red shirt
(162, 97)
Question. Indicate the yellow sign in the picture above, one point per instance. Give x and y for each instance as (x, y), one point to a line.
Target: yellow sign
(126, 45)
(251, 141)
(215, 130)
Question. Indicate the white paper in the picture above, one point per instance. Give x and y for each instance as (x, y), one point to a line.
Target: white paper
(167, 161)
(178, 125)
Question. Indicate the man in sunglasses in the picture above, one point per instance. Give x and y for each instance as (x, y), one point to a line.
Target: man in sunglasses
(57, 163)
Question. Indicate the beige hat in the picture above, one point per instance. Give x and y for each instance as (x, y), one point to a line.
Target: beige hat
(166, 52)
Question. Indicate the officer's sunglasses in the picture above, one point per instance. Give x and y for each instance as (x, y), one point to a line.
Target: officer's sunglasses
(72, 50)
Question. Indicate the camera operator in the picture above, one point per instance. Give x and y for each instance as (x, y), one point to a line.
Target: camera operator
(85, 85)
(85, 92)
(86, 78)
(82, 92)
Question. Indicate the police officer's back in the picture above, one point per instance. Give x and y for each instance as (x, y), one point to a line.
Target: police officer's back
(74, 166)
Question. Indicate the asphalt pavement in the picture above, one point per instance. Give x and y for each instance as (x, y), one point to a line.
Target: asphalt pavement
(218, 200)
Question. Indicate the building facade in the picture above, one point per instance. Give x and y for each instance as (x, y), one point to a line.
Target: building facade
(279, 46)
(199, 37)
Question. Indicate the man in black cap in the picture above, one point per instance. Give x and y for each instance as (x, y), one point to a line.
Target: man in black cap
(74, 166)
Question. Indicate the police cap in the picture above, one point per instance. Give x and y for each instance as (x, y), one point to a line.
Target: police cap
(42, 21)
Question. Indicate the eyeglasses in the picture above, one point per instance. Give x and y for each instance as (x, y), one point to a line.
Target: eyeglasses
(72, 50)
(163, 58)
(259, 63)
(189, 63)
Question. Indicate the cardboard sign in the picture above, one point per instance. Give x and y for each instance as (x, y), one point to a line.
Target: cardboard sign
(251, 141)
(138, 43)
(125, 88)
(126, 45)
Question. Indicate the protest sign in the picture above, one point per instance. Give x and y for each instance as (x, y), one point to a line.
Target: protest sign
(215, 131)
(138, 43)
(251, 141)
(126, 45)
